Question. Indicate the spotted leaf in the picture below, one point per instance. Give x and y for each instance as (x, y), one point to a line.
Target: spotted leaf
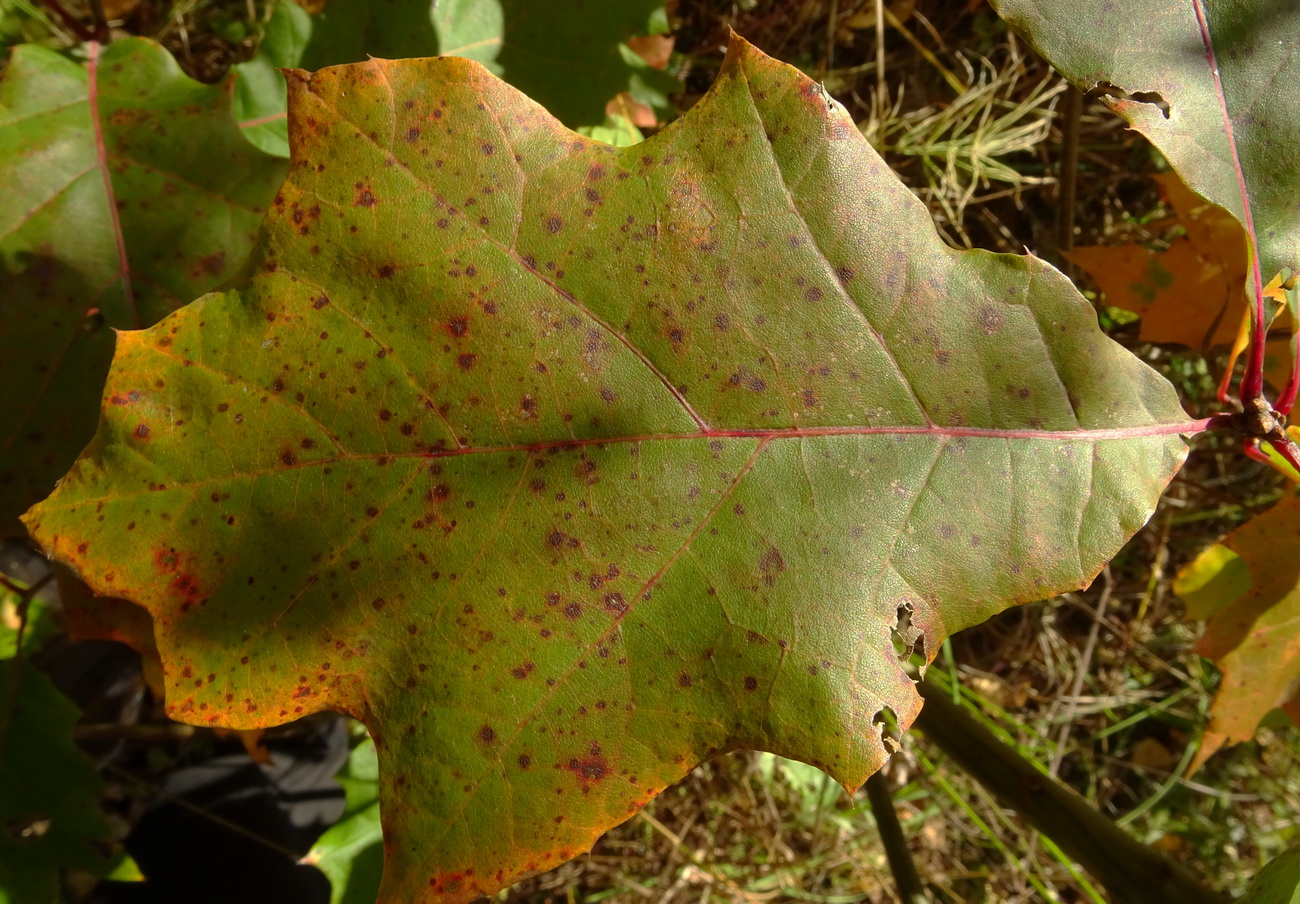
(565, 467)
(128, 193)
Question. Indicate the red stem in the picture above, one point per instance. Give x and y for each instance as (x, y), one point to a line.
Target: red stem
(1286, 401)
(1288, 450)
(101, 154)
(1253, 451)
(1252, 382)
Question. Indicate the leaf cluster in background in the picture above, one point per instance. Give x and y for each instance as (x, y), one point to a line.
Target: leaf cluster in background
(49, 799)
(574, 62)
(129, 192)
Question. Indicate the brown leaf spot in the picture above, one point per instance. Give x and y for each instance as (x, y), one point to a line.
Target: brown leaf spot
(614, 602)
(990, 319)
(771, 564)
(591, 768)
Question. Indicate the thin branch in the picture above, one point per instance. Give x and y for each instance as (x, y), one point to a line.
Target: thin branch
(68, 19)
(1252, 382)
(910, 888)
(1132, 873)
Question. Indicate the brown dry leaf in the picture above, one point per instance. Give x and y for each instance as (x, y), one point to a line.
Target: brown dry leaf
(1251, 634)
(654, 49)
(251, 738)
(119, 9)
(1191, 294)
(1150, 753)
(90, 617)
(635, 112)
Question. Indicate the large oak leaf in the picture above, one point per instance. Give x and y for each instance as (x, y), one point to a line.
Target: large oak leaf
(566, 466)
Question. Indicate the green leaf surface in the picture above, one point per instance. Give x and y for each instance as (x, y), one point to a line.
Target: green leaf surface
(1156, 50)
(49, 793)
(567, 56)
(565, 467)
(128, 192)
(1277, 883)
(351, 852)
(261, 96)
(36, 626)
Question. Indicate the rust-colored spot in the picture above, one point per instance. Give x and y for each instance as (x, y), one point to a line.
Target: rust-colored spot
(487, 734)
(614, 602)
(554, 224)
(684, 679)
(288, 458)
(771, 564)
(751, 683)
(141, 431)
(467, 361)
(590, 768)
(166, 560)
(573, 610)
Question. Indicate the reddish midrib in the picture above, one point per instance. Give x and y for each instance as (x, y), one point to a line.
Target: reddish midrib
(1114, 433)
(101, 156)
(1252, 382)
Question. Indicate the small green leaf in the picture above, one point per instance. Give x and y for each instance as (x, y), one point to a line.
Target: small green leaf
(616, 130)
(1212, 581)
(49, 815)
(40, 621)
(351, 852)
(1277, 883)
(261, 96)
(568, 57)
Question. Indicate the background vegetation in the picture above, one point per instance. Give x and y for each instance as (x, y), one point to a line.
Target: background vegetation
(1102, 686)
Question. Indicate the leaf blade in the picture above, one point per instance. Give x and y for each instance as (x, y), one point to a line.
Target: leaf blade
(93, 156)
(570, 395)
